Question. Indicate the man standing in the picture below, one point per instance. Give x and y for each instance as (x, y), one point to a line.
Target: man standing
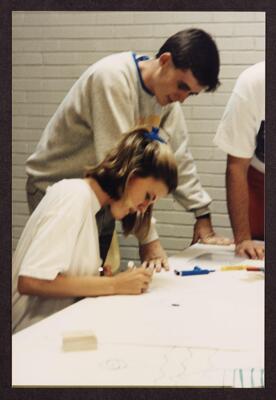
(111, 97)
(241, 135)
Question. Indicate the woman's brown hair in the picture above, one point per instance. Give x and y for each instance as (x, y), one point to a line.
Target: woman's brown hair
(141, 154)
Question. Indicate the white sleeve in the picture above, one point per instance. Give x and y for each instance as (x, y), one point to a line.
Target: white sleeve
(236, 134)
(50, 251)
(152, 234)
(189, 193)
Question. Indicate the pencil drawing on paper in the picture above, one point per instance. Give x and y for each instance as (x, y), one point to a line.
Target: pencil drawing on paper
(113, 364)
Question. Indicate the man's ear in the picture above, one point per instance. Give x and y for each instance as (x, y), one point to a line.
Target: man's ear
(165, 58)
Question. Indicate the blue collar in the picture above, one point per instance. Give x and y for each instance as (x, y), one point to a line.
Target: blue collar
(136, 60)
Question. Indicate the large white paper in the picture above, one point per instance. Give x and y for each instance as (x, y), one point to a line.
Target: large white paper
(195, 330)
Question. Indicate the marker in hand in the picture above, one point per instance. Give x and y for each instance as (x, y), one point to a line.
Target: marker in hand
(131, 264)
(145, 265)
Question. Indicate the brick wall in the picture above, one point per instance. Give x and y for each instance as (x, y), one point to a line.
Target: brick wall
(52, 49)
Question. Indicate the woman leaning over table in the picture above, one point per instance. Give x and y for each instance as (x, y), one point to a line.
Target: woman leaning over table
(57, 258)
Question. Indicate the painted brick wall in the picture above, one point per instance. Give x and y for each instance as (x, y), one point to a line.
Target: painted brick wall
(52, 49)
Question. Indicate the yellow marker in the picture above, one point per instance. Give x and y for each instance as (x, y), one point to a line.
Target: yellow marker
(234, 267)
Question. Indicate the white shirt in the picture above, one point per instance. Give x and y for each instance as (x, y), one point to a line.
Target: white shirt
(244, 117)
(61, 236)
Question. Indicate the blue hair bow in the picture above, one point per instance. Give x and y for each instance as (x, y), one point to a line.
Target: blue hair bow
(153, 135)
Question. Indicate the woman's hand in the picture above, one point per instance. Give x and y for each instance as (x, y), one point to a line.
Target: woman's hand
(154, 256)
(134, 280)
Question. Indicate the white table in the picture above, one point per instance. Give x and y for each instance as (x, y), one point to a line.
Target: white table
(203, 330)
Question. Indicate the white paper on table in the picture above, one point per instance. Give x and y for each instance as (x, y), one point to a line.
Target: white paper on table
(184, 331)
(221, 310)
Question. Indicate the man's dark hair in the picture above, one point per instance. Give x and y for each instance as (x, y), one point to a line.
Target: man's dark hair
(195, 49)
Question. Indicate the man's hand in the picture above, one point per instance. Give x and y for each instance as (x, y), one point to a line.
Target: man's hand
(204, 233)
(250, 249)
(154, 256)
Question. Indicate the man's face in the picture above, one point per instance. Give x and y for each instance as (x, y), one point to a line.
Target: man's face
(173, 84)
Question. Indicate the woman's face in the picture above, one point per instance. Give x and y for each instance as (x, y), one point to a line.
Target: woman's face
(139, 194)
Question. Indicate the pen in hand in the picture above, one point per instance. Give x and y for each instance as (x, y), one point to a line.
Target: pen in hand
(131, 264)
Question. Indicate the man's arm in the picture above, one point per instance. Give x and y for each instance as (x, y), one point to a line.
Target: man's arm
(238, 207)
(190, 193)
(204, 233)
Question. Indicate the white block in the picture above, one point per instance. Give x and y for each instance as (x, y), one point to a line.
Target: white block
(79, 341)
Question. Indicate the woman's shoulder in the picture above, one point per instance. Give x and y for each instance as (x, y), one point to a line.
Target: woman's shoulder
(73, 193)
(72, 186)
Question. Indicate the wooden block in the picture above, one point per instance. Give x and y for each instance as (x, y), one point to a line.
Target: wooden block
(79, 341)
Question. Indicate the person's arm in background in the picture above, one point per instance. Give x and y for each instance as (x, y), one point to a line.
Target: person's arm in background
(236, 136)
(238, 207)
(190, 193)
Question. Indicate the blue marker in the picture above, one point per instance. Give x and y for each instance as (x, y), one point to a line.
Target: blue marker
(196, 271)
